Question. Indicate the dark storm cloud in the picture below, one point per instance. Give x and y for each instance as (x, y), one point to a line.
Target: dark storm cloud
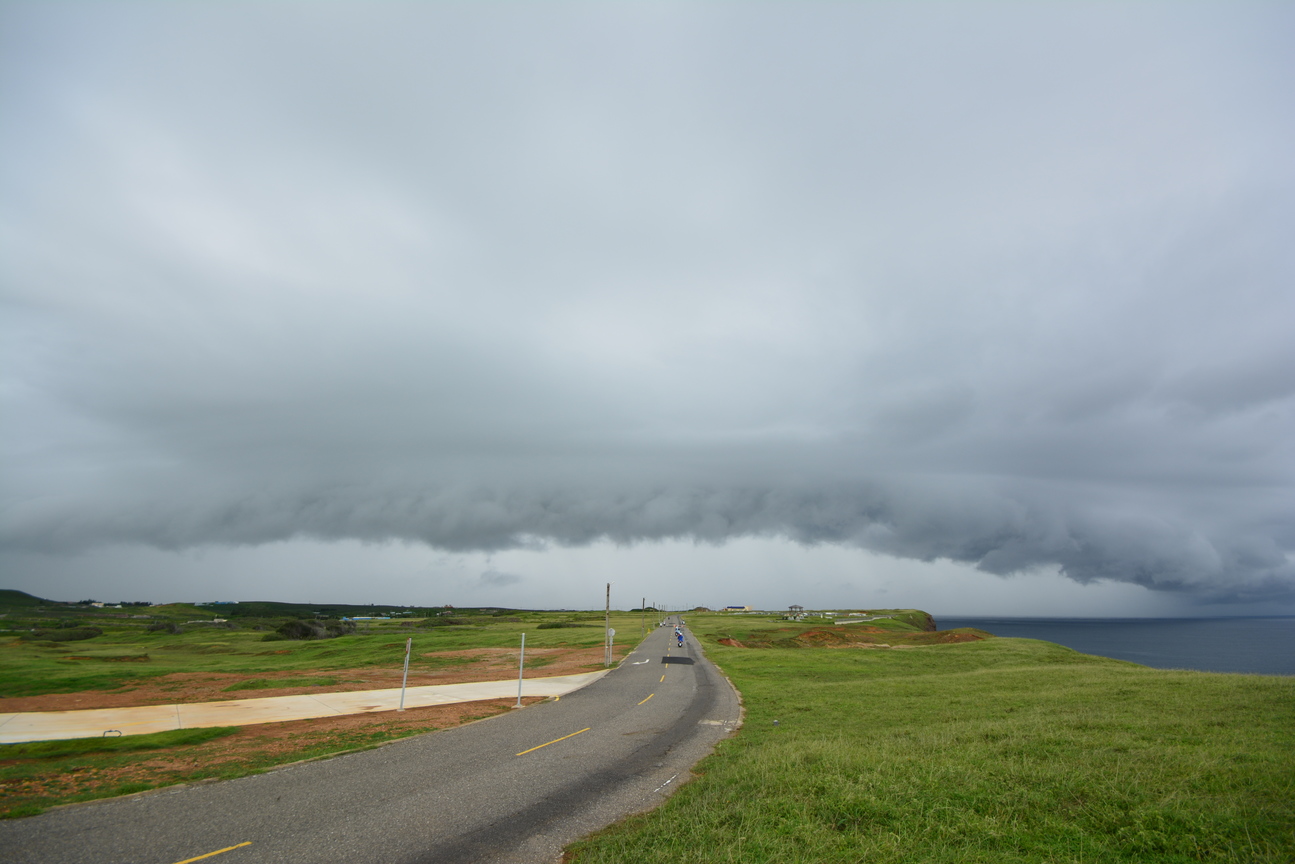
(1002, 285)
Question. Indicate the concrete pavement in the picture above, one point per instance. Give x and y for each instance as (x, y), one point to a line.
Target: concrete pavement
(94, 722)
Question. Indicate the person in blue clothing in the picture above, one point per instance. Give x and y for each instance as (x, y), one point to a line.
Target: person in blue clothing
(678, 632)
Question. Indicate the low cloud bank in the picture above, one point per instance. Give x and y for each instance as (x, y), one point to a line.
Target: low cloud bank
(997, 531)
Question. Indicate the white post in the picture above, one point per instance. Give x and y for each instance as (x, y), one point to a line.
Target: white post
(521, 665)
(409, 644)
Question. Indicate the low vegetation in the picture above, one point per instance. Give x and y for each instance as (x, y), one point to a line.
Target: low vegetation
(989, 750)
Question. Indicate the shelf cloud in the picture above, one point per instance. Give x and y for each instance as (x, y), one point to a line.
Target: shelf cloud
(1006, 286)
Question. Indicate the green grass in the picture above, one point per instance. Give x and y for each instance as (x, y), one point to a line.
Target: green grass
(120, 744)
(1006, 750)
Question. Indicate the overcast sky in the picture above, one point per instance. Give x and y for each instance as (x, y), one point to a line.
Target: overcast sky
(980, 308)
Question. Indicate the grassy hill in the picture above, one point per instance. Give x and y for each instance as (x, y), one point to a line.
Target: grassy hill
(989, 750)
(19, 600)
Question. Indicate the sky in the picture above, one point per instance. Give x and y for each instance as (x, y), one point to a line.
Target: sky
(980, 308)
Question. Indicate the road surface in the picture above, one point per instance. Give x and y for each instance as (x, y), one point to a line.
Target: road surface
(515, 788)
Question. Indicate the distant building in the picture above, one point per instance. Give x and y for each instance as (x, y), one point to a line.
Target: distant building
(737, 608)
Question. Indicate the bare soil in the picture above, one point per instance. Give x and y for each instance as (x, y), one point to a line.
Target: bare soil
(482, 664)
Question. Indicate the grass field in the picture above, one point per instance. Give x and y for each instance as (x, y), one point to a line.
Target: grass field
(1003, 750)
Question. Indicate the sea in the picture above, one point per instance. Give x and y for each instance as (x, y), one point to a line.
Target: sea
(1262, 646)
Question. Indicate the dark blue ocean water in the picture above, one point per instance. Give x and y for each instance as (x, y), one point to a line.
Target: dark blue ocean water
(1265, 646)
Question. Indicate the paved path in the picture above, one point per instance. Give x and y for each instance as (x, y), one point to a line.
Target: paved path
(514, 789)
(91, 723)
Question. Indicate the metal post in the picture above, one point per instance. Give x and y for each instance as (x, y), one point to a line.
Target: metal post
(409, 644)
(607, 626)
(521, 665)
(643, 610)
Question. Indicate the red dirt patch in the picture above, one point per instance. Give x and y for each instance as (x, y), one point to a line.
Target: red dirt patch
(492, 664)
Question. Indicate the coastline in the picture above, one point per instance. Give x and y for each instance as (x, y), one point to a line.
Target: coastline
(1250, 645)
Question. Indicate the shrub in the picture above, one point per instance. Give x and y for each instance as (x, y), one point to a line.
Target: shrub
(444, 622)
(299, 629)
(73, 634)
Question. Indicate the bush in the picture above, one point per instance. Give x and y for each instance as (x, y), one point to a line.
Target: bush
(164, 627)
(444, 622)
(300, 629)
(557, 625)
(73, 634)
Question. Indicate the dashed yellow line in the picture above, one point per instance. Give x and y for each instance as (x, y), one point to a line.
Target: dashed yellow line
(650, 695)
(524, 752)
(217, 852)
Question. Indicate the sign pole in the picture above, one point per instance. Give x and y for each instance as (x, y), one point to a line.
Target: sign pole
(409, 644)
(521, 665)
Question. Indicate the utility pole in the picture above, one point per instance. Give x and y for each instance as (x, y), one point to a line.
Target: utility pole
(643, 609)
(607, 627)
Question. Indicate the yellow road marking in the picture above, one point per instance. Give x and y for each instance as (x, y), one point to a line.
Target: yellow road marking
(217, 852)
(662, 679)
(554, 741)
(650, 695)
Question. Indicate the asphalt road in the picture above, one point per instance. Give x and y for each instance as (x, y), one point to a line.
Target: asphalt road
(515, 788)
